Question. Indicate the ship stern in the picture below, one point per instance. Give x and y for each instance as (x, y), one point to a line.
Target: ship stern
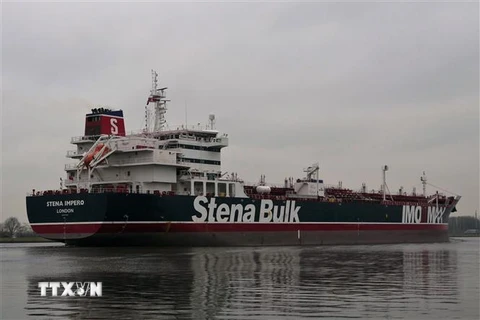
(68, 218)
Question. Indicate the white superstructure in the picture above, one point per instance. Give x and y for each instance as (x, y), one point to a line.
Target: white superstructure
(182, 161)
(158, 160)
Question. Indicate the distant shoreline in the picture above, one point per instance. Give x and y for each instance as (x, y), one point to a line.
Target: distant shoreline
(24, 240)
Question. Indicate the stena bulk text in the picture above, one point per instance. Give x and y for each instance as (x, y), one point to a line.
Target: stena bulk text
(210, 211)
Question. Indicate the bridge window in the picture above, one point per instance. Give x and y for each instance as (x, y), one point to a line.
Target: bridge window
(192, 160)
(222, 189)
(210, 188)
(198, 188)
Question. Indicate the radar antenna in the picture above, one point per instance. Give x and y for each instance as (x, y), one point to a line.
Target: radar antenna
(158, 98)
(211, 119)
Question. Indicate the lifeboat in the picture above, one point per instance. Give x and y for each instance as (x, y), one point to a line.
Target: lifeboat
(95, 154)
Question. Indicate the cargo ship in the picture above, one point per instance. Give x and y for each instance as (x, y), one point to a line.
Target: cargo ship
(164, 186)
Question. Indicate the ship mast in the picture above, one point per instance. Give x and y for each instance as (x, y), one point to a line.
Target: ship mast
(384, 183)
(423, 178)
(158, 98)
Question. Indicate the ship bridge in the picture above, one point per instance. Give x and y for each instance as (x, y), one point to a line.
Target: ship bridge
(158, 158)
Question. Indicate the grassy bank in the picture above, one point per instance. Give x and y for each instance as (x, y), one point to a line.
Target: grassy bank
(23, 240)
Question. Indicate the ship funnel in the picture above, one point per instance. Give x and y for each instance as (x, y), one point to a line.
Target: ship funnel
(104, 121)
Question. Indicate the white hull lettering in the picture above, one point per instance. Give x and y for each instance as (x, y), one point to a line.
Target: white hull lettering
(279, 217)
(200, 209)
(294, 213)
(65, 210)
(66, 203)
(413, 214)
(237, 211)
(210, 211)
(435, 215)
(249, 215)
(266, 207)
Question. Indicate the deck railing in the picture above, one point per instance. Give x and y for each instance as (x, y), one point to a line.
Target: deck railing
(70, 166)
(84, 138)
(73, 153)
(123, 190)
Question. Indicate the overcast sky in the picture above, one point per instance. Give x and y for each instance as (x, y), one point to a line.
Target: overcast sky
(353, 86)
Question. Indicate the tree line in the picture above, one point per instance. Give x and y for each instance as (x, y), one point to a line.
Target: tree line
(458, 225)
(12, 228)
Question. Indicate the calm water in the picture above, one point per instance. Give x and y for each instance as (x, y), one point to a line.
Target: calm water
(434, 281)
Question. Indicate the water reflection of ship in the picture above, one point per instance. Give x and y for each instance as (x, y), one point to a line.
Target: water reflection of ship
(317, 282)
(428, 271)
(242, 280)
(206, 283)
